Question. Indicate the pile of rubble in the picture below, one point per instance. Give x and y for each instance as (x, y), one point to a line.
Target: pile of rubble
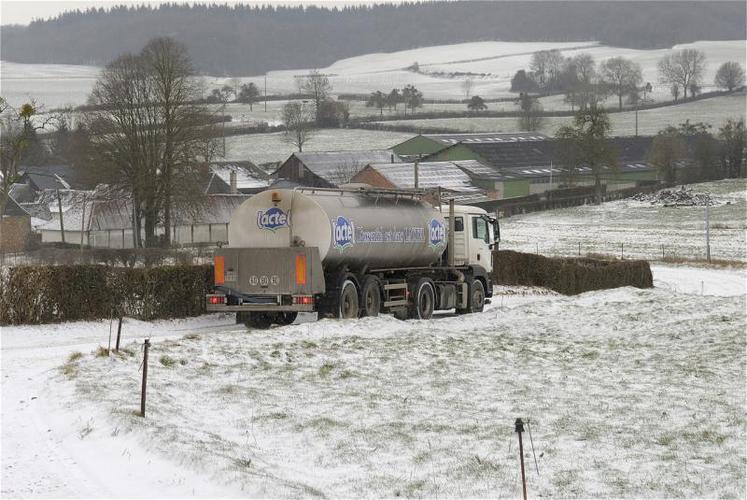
(676, 198)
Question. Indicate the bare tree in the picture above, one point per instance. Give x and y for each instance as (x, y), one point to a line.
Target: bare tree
(467, 85)
(18, 128)
(248, 94)
(343, 172)
(377, 100)
(730, 76)
(299, 124)
(682, 68)
(546, 66)
(530, 118)
(316, 85)
(622, 76)
(586, 144)
(667, 150)
(733, 135)
(147, 135)
(579, 78)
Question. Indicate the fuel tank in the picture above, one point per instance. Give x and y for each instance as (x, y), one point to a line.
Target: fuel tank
(357, 228)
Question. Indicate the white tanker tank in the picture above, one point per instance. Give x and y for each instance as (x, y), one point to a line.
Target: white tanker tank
(357, 229)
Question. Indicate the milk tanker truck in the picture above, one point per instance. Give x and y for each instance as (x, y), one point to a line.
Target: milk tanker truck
(348, 253)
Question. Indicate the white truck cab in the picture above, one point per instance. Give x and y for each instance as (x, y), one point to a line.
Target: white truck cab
(475, 234)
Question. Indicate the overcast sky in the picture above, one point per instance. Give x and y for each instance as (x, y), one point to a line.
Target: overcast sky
(24, 11)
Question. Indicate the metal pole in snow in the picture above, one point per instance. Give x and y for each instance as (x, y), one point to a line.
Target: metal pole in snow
(519, 428)
(146, 347)
(708, 233)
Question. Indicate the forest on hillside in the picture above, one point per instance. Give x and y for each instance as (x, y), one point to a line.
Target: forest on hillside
(250, 40)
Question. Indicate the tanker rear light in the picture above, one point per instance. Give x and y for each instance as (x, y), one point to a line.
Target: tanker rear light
(275, 197)
(300, 269)
(216, 299)
(305, 300)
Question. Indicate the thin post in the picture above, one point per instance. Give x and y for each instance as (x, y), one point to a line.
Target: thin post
(265, 93)
(415, 173)
(452, 225)
(708, 233)
(119, 333)
(82, 224)
(662, 252)
(622, 251)
(519, 428)
(62, 225)
(579, 249)
(146, 347)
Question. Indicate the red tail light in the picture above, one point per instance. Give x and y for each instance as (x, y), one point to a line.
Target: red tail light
(303, 299)
(216, 299)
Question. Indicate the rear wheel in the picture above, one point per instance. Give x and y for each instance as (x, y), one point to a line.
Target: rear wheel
(423, 299)
(476, 298)
(258, 320)
(370, 299)
(348, 300)
(285, 318)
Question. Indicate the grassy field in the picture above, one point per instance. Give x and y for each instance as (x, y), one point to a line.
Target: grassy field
(714, 111)
(263, 148)
(638, 229)
(629, 393)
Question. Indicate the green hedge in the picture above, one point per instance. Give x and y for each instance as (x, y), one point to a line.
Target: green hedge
(47, 294)
(568, 276)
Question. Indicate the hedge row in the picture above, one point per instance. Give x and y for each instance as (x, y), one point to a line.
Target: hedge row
(568, 276)
(47, 294)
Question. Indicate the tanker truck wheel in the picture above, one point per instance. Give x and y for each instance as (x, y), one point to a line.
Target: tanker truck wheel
(476, 302)
(258, 320)
(348, 300)
(423, 300)
(285, 318)
(370, 299)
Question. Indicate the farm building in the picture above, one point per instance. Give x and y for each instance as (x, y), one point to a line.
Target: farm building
(445, 175)
(524, 164)
(107, 223)
(231, 177)
(42, 177)
(329, 168)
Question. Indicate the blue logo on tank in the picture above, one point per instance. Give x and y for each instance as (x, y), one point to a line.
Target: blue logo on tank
(272, 219)
(342, 233)
(436, 233)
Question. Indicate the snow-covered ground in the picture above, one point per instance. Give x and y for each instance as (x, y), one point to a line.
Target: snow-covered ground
(493, 63)
(634, 393)
(638, 229)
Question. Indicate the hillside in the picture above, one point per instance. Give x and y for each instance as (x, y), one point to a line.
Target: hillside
(246, 40)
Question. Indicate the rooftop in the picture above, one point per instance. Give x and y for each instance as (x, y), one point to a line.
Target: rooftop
(442, 174)
(334, 166)
(486, 138)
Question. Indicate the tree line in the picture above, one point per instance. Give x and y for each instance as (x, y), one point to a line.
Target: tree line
(250, 40)
(585, 83)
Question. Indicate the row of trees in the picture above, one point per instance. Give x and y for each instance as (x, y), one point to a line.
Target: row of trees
(411, 97)
(584, 83)
(586, 143)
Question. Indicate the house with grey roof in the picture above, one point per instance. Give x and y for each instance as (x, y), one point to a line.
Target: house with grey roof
(329, 168)
(447, 176)
(231, 177)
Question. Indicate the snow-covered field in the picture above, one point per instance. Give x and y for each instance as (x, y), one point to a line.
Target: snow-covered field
(714, 111)
(638, 229)
(629, 393)
(496, 62)
(263, 148)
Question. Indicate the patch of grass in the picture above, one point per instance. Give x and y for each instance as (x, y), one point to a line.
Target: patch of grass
(326, 369)
(345, 374)
(167, 361)
(101, 352)
(243, 463)
(191, 336)
(307, 344)
(86, 430)
(666, 439)
(74, 356)
(590, 355)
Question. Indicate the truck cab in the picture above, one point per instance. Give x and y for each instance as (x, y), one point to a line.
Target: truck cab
(475, 234)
